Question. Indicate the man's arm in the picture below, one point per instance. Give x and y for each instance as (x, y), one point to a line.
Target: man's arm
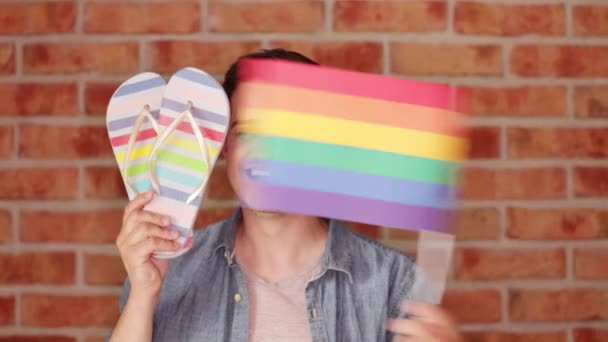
(135, 322)
(141, 235)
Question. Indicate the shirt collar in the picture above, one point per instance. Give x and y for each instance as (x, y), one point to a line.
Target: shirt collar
(335, 257)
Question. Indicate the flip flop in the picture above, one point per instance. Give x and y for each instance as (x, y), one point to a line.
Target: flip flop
(193, 121)
(132, 128)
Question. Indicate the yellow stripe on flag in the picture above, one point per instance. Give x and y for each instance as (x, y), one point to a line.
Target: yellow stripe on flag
(328, 130)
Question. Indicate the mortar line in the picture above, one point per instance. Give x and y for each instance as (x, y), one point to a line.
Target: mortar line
(205, 17)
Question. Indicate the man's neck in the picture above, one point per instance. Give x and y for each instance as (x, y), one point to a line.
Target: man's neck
(275, 246)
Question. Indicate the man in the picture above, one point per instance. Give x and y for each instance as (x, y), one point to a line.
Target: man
(265, 276)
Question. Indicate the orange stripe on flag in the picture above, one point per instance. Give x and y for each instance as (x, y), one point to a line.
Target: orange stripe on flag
(279, 97)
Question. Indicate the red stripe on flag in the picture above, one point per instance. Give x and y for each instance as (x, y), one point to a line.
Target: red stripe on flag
(354, 83)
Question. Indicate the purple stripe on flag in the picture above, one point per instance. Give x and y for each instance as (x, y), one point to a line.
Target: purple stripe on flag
(262, 196)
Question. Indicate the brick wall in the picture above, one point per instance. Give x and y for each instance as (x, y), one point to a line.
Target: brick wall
(531, 262)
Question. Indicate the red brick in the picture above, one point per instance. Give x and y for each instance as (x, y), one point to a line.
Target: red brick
(390, 16)
(7, 59)
(448, 59)
(557, 224)
(44, 183)
(590, 335)
(591, 181)
(558, 305)
(360, 56)
(401, 234)
(95, 339)
(97, 96)
(557, 142)
(7, 310)
(207, 216)
(29, 99)
(591, 263)
(504, 336)
(58, 311)
(50, 17)
(484, 142)
(477, 224)
(560, 60)
(493, 264)
(213, 57)
(91, 226)
(38, 268)
(469, 224)
(71, 58)
(219, 187)
(473, 306)
(31, 338)
(368, 230)
(508, 19)
(518, 101)
(284, 16)
(175, 17)
(590, 20)
(104, 182)
(591, 102)
(104, 269)
(6, 226)
(6, 142)
(64, 142)
(533, 183)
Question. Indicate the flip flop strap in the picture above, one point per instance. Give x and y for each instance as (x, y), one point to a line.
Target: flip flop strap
(144, 114)
(184, 116)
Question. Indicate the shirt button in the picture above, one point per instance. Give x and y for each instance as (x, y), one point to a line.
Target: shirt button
(237, 297)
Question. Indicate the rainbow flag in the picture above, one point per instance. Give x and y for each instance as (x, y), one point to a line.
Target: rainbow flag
(348, 145)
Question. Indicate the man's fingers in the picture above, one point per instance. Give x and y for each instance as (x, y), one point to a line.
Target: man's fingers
(137, 203)
(427, 312)
(145, 248)
(139, 217)
(148, 230)
(160, 220)
(409, 328)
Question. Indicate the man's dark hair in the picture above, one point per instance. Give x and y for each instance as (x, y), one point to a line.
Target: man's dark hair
(231, 77)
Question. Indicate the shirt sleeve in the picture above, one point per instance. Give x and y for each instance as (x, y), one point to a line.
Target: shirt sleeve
(124, 295)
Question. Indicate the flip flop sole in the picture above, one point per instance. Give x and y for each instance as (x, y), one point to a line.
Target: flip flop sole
(201, 108)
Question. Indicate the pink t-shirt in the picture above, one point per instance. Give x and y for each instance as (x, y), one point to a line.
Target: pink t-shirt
(277, 311)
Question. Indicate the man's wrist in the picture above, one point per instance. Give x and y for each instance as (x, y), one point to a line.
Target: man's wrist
(143, 301)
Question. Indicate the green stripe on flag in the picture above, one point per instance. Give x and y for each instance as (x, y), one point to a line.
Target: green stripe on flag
(354, 159)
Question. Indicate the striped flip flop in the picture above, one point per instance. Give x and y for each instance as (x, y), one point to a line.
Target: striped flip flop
(132, 128)
(193, 121)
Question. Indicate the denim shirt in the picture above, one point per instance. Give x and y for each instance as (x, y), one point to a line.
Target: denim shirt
(360, 285)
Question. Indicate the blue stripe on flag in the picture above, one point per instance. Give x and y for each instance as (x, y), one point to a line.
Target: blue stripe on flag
(352, 183)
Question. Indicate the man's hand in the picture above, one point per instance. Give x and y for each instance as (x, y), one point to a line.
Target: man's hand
(141, 234)
(429, 323)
